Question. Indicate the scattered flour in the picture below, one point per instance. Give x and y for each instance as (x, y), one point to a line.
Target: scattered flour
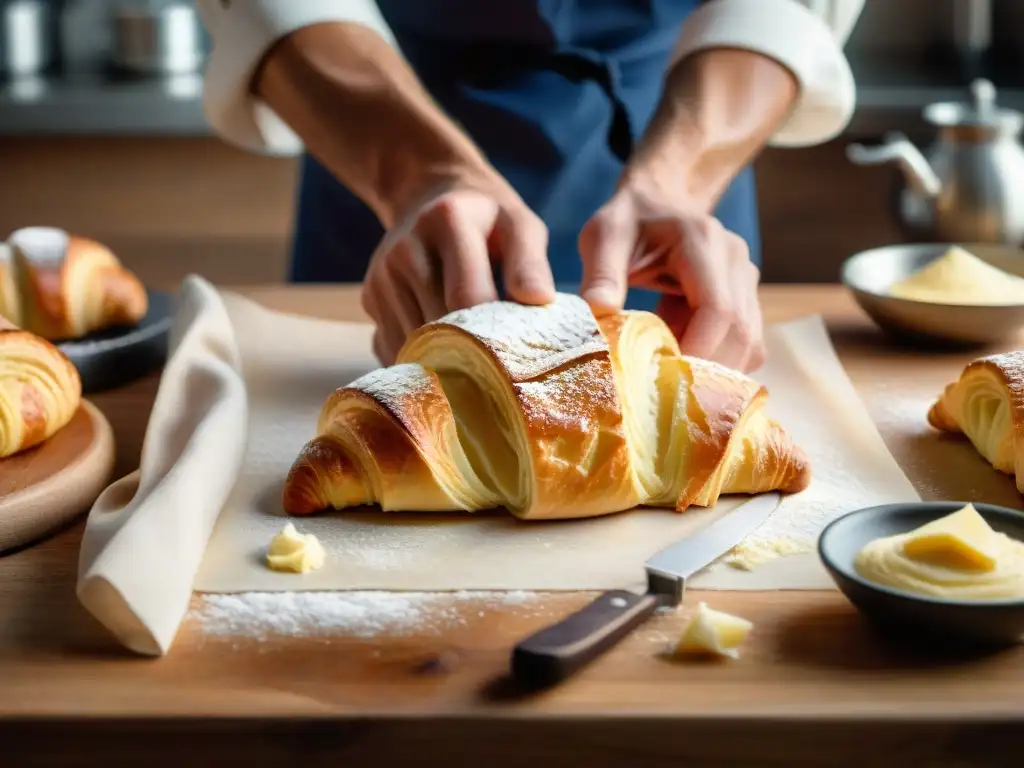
(356, 614)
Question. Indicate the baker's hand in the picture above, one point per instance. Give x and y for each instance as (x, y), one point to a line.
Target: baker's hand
(439, 255)
(704, 271)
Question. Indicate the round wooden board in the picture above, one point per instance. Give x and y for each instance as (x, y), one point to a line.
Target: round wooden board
(45, 487)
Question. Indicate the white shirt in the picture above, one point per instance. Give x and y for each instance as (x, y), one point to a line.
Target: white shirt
(805, 36)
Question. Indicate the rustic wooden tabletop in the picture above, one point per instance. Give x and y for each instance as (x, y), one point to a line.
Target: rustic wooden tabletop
(814, 685)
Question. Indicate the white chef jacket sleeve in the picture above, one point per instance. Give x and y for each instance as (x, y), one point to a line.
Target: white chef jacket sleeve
(805, 36)
(242, 32)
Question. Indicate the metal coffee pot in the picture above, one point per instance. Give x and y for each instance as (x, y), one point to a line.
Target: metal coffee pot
(968, 186)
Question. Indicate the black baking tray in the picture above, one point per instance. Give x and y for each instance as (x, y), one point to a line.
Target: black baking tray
(112, 358)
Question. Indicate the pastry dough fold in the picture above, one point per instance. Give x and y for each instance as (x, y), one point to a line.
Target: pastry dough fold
(40, 390)
(986, 405)
(60, 286)
(548, 412)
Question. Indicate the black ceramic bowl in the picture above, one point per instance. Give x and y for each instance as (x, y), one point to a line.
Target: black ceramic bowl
(934, 619)
(118, 356)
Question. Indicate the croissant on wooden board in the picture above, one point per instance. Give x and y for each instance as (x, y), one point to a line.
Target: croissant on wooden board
(986, 404)
(61, 286)
(40, 389)
(547, 412)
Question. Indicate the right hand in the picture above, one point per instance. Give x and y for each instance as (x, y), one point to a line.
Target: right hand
(437, 258)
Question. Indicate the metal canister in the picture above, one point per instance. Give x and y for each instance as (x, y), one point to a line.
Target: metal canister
(158, 38)
(27, 37)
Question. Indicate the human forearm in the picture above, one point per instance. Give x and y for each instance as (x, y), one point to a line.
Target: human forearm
(718, 109)
(359, 108)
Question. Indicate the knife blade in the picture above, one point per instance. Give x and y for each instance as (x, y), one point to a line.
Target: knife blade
(560, 650)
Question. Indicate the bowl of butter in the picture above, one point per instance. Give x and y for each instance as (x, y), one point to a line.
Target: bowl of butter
(970, 294)
(944, 571)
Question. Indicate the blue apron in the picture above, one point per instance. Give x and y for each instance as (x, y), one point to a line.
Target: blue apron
(555, 92)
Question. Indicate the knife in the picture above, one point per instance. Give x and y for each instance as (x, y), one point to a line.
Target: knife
(560, 650)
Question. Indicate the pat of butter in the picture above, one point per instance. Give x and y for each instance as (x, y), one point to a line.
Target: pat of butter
(959, 541)
(714, 632)
(295, 552)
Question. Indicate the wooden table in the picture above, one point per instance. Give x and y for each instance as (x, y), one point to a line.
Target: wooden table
(814, 684)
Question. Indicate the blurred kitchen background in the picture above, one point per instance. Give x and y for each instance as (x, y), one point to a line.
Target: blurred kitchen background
(103, 134)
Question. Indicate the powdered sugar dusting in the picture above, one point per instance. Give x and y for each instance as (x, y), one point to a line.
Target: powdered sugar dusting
(571, 381)
(577, 402)
(354, 614)
(1011, 366)
(392, 386)
(531, 340)
(44, 247)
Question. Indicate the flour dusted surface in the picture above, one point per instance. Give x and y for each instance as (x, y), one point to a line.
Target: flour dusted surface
(353, 614)
(263, 616)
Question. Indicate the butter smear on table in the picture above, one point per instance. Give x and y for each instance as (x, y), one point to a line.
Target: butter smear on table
(712, 632)
(957, 556)
(295, 552)
(960, 277)
(751, 554)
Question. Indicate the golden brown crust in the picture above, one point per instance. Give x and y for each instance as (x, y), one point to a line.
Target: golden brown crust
(76, 289)
(40, 390)
(577, 442)
(1007, 367)
(10, 300)
(939, 416)
(557, 393)
(378, 446)
(322, 463)
(719, 398)
(722, 416)
(795, 475)
(555, 378)
(1002, 376)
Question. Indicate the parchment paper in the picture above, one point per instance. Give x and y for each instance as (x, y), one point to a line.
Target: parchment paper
(288, 376)
(285, 366)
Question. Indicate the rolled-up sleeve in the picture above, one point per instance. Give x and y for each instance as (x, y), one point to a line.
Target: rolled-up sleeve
(242, 32)
(805, 36)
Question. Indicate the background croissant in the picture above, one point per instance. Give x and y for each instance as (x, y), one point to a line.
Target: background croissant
(59, 286)
(548, 413)
(40, 389)
(986, 404)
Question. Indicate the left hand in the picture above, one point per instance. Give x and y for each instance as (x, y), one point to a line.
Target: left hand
(709, 283)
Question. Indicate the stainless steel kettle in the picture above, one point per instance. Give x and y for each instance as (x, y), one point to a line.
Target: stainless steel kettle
(968, 186)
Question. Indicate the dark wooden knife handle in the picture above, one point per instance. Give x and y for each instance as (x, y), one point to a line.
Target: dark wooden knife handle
(558, 651)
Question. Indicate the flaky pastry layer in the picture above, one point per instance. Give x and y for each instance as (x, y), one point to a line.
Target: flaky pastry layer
(548, 412)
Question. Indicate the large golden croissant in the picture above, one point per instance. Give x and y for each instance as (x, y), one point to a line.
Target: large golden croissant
(59, 286)
(986, 404)
(40, 389)
(548, 413)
